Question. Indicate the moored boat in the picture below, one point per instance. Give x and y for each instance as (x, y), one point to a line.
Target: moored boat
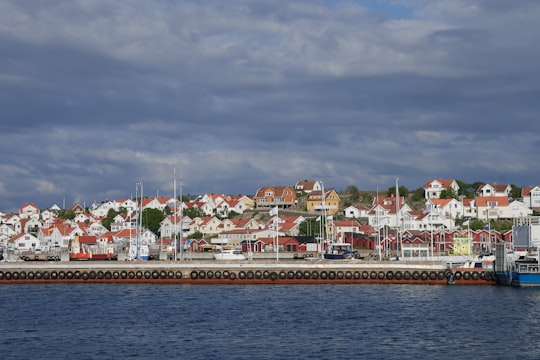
(229, 254)
(519, 264)
(339, 251)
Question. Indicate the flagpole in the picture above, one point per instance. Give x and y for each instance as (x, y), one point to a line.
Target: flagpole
(277, 234)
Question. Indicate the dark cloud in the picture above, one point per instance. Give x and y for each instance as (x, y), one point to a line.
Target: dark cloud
(95, 96)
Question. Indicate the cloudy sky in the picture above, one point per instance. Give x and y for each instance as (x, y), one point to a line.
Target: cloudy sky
(233, 95)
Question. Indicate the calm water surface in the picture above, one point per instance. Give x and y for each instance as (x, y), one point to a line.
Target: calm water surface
(116, 321)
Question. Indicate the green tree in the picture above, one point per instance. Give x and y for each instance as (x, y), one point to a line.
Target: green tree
(111, 214)
(310, 227)
(448, 193)
(151, 219)
(403, 191)
(193, 212)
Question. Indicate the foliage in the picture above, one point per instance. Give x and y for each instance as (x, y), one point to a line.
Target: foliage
(403, 191)
(193, 212)
(66, 215)
(151, 219)
(418, 195)
(111, 214)
(310, 227)
(448, 193)
(197, 235)
(366, 197)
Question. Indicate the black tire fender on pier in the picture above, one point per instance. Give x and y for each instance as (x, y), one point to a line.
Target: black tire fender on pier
(210, 274)
(250, 274)
(194, 275)
(298, 275)
(1, 275)
(348, 275)
(155, 274)
(273, 275)
(232, 276)
(116, 274)
(76, 274)
(282, 275)
(475, 275)
(466, 275)
(100, 274)
(226, 274)
(202, 274)
(340, 275)
(131, 274)
(381, 275)
(441, 275)
(61, 274)
(69, 274)
(46, 275)
(22, 275)
(31, 275)
(15, 275)
(242, 275)
(107, 275)
(398, 275)
(290, 275)
(415, 275)
(389, 275)
(458, 275)
(373, 275)
(365, 275)
(217, 274)
(424, 275)
(258, 274)
(307, 275)
(324, 275)
(357, 275)
(84, 275)
(147, 274)
(432, 275)
(266, 274)
(54, 275)
(170, 274)
(7, 275)
(332, 275)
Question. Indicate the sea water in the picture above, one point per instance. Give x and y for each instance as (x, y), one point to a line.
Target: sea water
(142, 321)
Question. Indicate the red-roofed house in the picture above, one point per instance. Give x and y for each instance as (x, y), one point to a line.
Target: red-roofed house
(433, 188)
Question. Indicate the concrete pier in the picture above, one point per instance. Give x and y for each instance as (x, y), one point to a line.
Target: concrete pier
(243, 272)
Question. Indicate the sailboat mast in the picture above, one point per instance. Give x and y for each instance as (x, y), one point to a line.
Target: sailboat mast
(175, 218)
(398, 234)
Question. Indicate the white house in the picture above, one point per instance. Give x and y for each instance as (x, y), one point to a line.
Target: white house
(433, 188)
(356, 211)
(531, 196)
(494, 190)
(23, 242)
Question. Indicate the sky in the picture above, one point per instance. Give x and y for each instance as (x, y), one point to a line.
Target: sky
(233, 95)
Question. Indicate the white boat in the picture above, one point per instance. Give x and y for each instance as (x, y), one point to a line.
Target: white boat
(230, 254)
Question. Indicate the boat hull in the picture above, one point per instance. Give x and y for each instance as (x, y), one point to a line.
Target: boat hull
(518, 279)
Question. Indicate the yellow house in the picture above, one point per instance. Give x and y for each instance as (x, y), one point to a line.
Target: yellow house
(330, 203)
(461, 246)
